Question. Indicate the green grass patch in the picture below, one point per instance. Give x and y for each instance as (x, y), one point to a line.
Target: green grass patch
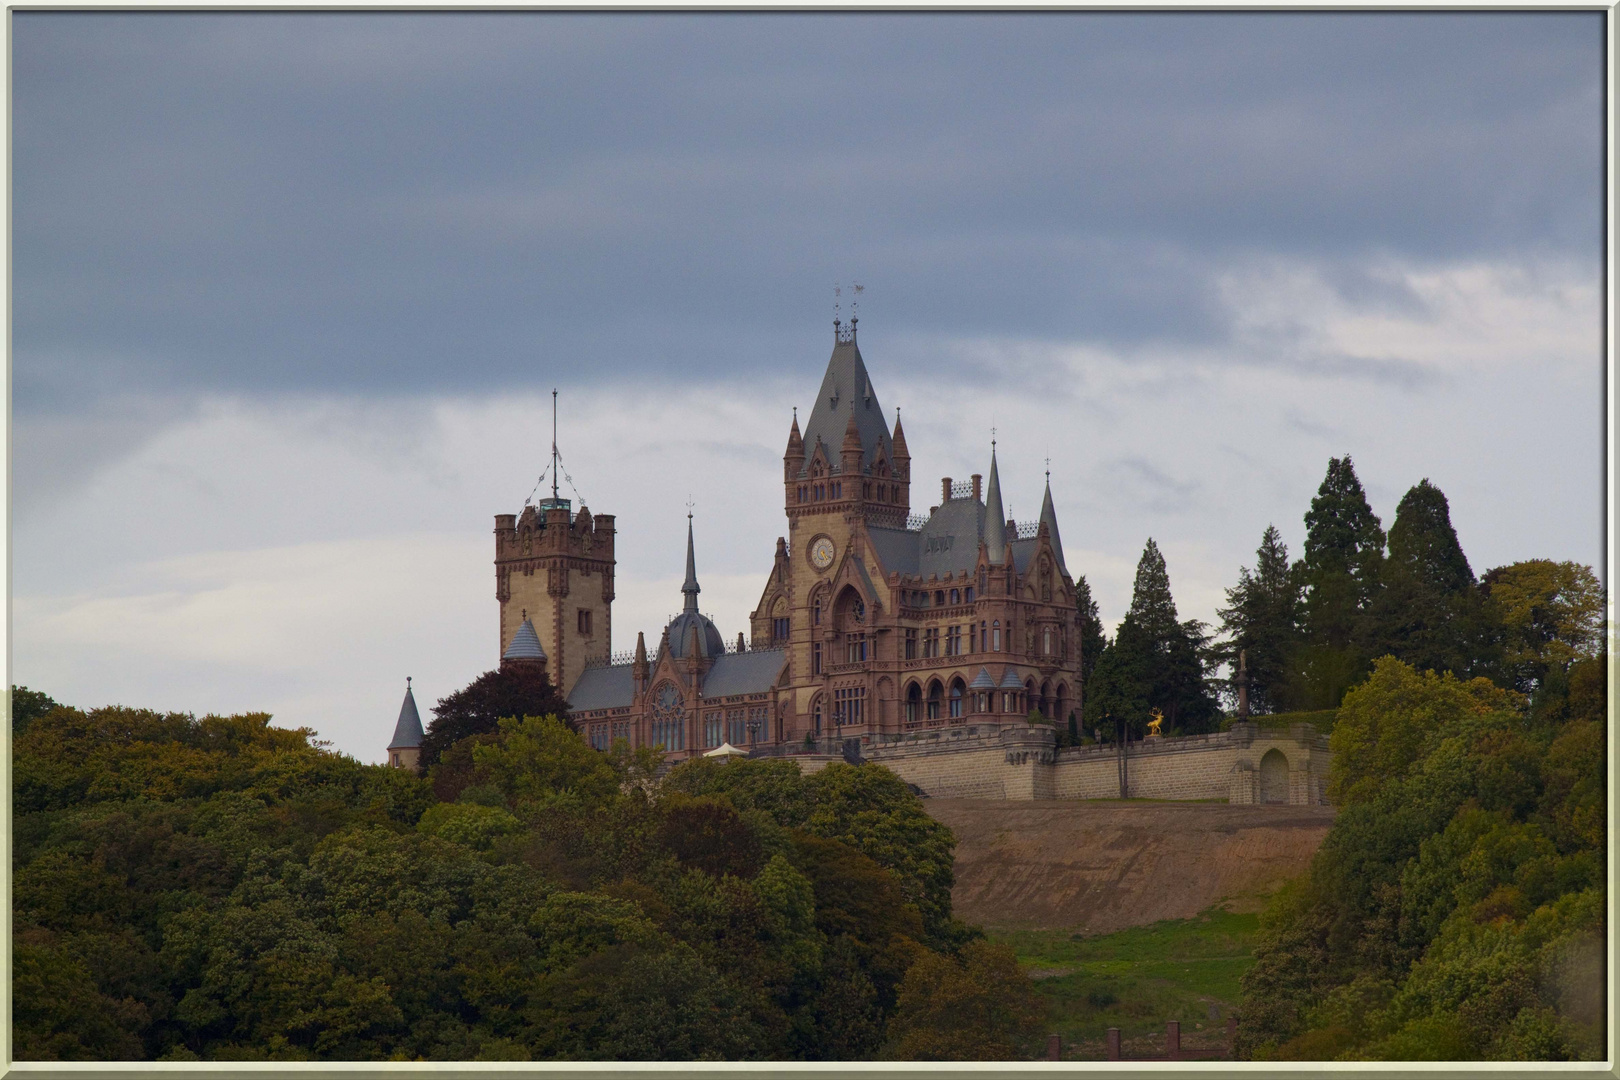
(1136, 979)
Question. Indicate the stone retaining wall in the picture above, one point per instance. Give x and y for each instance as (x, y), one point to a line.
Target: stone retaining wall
(1245, 765)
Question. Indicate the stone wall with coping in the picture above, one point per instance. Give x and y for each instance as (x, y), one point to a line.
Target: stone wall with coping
(1245, 765)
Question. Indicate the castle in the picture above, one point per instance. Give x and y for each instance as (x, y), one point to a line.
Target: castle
(874, 621)
(938, 644)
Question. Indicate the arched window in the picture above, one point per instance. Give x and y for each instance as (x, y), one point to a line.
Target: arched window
(913, 704)
(1046, 641)
(995, 636)
(957, 690)
(1046, 700)
(939, 597)
(668, 718)
(956, 597)
(1029, 697)
(815, 717)
(968, 595)
(936, 695)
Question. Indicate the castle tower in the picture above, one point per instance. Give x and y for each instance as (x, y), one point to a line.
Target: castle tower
(405, 748)
(554, 569)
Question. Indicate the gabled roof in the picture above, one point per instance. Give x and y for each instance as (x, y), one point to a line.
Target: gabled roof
(982, 681)
(408, 730)
(846, 390)
(605, 687)
(751, 672)
(525, 644)
(1010, 681)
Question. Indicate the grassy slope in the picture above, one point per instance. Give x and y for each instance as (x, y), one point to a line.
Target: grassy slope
(1136, 979)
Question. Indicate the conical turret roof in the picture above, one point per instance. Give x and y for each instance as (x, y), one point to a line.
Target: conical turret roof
(408, 731)
(525, 644)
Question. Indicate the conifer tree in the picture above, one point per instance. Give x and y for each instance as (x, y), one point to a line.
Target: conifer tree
(1429, 611)
(1342, 573)
(1344, 553)
(1154, 661)
(1092, 639)
(1262, 619)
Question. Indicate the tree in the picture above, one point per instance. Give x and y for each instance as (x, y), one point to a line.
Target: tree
(476, 708)
(1550, 615)
(1344, 553)
(1092, 638)
(1262, 620)
(27, 706)
(1428, 612)
(1169, 650)
(979, 1006)
(540, 760)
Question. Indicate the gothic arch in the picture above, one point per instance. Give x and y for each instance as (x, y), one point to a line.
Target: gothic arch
(850, 610)
(914, 702)
(936, 699)
(958, 697)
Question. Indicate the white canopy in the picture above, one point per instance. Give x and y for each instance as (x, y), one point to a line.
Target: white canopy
(725, 750)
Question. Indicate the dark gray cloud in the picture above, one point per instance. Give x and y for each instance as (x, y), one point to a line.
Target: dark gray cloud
(398, 202)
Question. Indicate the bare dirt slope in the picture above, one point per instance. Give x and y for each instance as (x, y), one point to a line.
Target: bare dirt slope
(1103, 866)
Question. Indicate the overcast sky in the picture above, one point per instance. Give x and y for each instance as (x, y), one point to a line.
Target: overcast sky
(290, 293)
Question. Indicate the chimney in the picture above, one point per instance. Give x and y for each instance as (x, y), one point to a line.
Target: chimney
(945, 490)
(977, 480)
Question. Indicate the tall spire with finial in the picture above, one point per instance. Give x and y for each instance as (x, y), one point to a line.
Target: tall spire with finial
(995, 519)
(690, 588)
(1049, 519)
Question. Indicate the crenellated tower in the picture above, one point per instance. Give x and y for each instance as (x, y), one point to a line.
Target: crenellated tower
(554, 568)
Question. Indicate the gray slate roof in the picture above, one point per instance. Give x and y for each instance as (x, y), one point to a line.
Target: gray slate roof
(525, 644)
(982, 681)
(608, 687)
(846, 388)
(1010, 681)
(744, 673)
(408, 731)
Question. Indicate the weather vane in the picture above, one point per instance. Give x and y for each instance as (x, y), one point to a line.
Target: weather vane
(689, 505)
(855, 304)
(838, 291)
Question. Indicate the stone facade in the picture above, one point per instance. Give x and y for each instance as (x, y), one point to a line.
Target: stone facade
(555, 568)
(897, 623)
(925, 643)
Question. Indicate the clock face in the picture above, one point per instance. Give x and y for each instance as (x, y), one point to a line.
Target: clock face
(821, 552)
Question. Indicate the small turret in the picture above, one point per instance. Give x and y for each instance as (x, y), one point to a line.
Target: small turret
(793, 459)
(638, 669)
(405, 748)
(849, 456)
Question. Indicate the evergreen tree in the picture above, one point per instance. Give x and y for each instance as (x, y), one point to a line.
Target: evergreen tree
(1342, 571)
(1429, 611)
(1092, 639)
(1155, 660)
(1263, 618)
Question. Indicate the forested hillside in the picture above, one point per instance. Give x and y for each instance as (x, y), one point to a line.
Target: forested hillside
(1456, 909)
(226, 890)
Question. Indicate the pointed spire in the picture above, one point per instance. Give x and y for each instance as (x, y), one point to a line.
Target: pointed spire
(408, 730)
(690, 588)
(899, 443)
(1049, 519)
(852, 434)
(641, 648)
(795, 446)
(995, 534)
